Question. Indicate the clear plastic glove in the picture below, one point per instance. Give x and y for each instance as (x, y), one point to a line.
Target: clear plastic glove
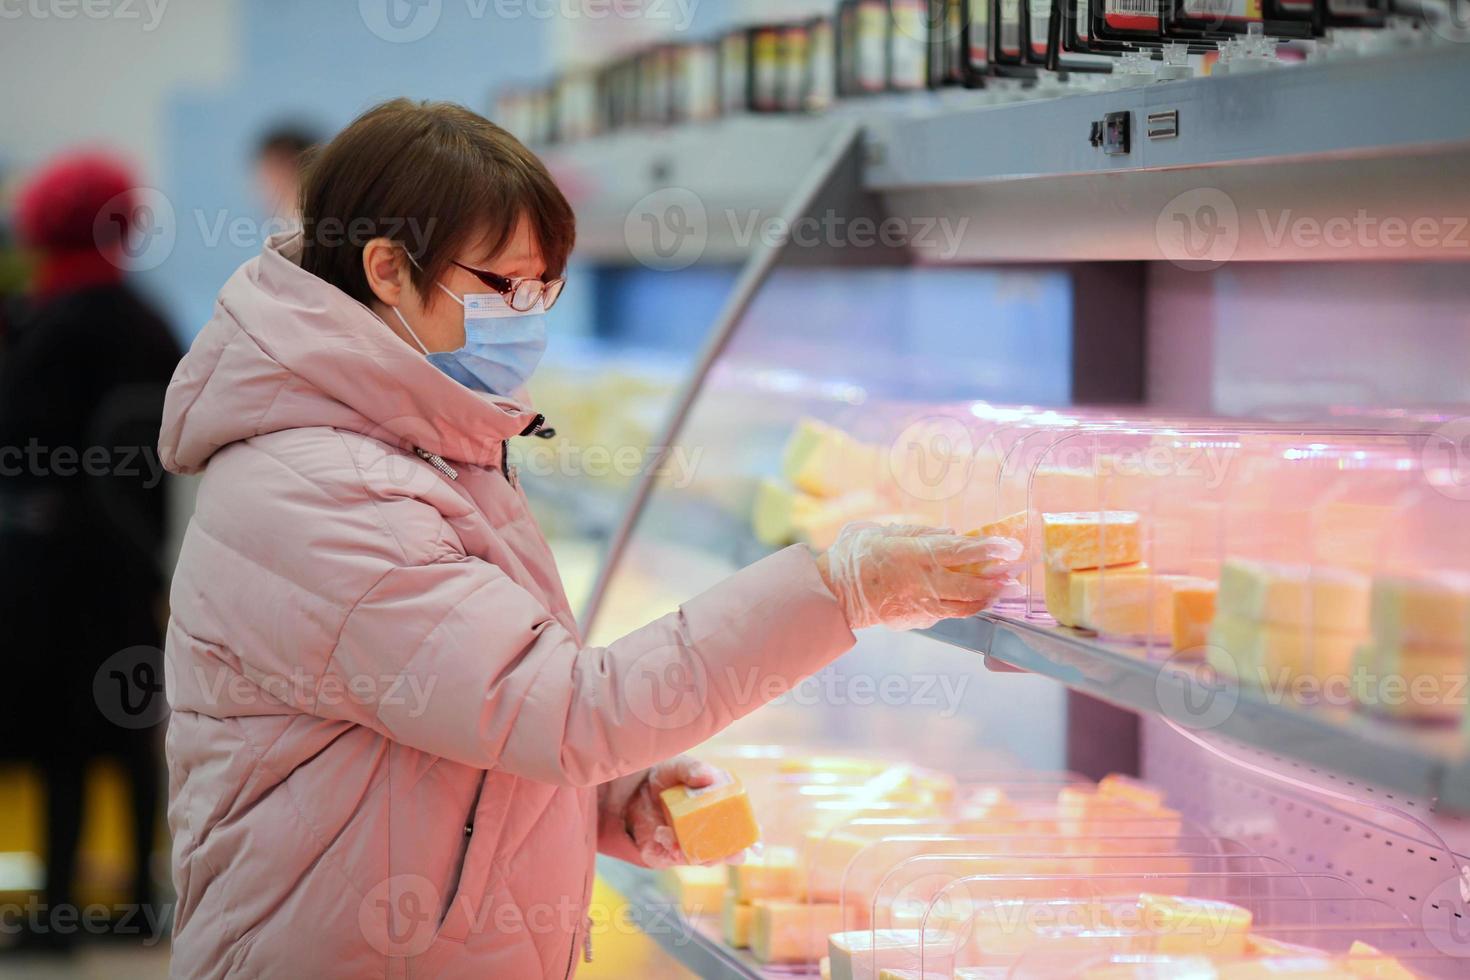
(644, 815)
(908, 577)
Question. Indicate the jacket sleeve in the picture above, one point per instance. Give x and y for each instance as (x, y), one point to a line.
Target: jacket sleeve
(490, 679)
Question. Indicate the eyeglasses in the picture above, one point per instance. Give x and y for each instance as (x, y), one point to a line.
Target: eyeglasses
(520, 294)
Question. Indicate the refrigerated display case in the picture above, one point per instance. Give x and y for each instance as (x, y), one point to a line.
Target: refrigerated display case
(1195, 573)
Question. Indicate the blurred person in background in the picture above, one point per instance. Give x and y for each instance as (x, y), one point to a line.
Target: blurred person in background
(280, 156)
(391, 751)
(81, 509)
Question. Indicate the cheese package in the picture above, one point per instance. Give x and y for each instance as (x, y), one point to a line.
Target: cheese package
(1425, 610)
(712, 823)
(698, 890)
(1269, 654)
(1322, 598)
(1091, 539)
(788, 932)
(773, 874)
(1194, 611)
(735, 920)
(1194, 925)
(1068, 593)
(1125, 600)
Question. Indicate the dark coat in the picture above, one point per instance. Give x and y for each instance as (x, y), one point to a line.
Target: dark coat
(82, 509)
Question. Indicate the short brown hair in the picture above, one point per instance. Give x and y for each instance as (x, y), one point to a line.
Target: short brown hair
(431, 176)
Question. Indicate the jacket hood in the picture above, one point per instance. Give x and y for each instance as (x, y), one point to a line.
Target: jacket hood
(287, 350)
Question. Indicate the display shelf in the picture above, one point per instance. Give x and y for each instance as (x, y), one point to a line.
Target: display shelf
(693, 944)
(1427, 763)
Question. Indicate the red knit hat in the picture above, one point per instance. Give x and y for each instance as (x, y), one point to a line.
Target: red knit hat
(80, 201)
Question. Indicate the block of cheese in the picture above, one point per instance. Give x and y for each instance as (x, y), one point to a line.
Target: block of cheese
(1365, 960)
(778, 512)
(1194, 611)
(1091, 539)
(1144, 966)
(699, 891)
(773, 874)
(787, 932)
(1270, 654)
(1012, 528)
(1424, 684)
(735, 919)
(1069, 594)
(859, 954)
(1323, 598)
(1184, 926)
(1120, 787)
(825, 461)
(1428, 610)
(711, 823)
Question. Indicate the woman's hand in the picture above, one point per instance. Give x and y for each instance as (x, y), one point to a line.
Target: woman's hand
(906, 577)
(644, 814)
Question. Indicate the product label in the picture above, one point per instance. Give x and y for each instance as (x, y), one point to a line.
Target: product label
(1010, 28)
(1132, 15)
(910, 44)
(767, 70)
(872, 44)
(735, 74)
(1040, 24)
(979, 33)
(1223, 10)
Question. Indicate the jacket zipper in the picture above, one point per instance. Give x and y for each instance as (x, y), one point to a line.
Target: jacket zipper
(437, 462)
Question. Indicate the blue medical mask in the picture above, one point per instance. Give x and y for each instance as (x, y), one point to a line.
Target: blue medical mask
(502, 346)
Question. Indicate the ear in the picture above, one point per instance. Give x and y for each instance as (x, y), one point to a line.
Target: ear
(386, 267)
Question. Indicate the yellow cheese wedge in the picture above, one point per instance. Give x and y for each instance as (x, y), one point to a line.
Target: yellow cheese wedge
(787, 932)
(1091, 539)
(1269, 654)
(1365, 960)
(860, 954)
(735, 920)
(826, 462)
(1069, 594)
(713, 823)
(699, 891)
(1188, 926)
(1427, 610)
(1194, 611)
(1323, 598)
(773, 874)
(778, 512)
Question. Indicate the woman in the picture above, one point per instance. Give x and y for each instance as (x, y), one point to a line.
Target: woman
(390, 752)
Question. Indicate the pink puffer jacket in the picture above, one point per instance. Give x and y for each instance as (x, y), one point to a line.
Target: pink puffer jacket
(387, 735)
